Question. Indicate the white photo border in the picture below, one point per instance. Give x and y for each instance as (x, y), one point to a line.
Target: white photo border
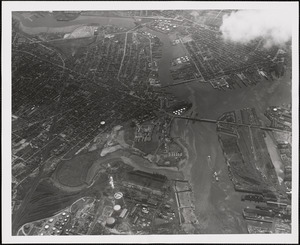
(7, 8)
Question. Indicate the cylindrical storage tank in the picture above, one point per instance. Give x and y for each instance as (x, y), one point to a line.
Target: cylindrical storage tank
(119, 200)
(117, 208)
(118, 195)
(110, 222)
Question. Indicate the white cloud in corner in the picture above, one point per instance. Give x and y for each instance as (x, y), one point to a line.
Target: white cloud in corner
(243, 26)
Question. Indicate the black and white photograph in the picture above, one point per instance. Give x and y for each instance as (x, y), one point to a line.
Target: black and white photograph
(150, 122)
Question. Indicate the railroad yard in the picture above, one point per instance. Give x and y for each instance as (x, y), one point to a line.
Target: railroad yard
(252, 171)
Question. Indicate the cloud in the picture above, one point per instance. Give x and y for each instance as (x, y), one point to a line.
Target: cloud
(273, 26)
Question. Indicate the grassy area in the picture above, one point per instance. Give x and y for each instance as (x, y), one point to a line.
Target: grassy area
(73, 46)
(74, 172)
(129, 135)
(179, 51)
(147, 147)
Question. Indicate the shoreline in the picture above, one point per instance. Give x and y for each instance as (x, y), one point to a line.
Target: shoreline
(54, 26)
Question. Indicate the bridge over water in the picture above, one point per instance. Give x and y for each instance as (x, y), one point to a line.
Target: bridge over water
(231, 123)
(182, 82)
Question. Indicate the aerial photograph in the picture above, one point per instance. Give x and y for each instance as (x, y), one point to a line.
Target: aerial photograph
(151, 122)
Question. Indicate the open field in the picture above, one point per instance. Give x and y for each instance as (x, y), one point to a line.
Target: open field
(182, 186)
(147, 147)
(73, 46)
(74, 172)
(185, 199)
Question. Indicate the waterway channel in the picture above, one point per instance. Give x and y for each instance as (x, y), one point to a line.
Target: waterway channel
(218, 206)
(47, 23)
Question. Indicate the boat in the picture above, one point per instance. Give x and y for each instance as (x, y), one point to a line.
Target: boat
(215, 175)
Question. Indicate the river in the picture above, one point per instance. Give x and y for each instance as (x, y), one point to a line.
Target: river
(218, 206)
(47, 23)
